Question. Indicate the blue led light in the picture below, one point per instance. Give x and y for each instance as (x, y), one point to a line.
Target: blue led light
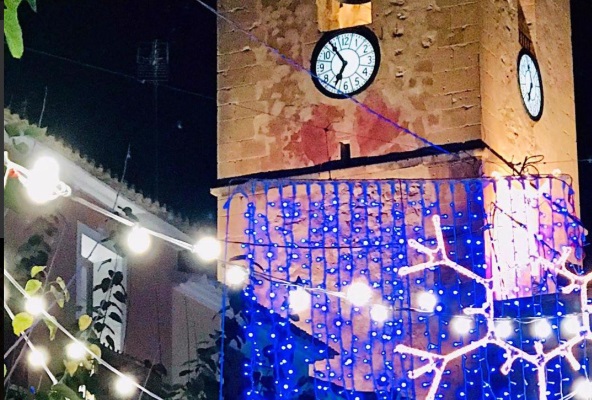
(330, 234)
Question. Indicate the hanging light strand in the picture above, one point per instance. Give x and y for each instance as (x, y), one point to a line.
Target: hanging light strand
(100, 360)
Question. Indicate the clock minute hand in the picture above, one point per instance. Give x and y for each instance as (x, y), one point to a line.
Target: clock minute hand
(339, 76)
(337, 52)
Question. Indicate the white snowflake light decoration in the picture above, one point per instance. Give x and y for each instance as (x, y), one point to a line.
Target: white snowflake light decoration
(437, 363)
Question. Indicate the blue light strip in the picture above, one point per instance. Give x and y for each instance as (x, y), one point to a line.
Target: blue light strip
(358, 230)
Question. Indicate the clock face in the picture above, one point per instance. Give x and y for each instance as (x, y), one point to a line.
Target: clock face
(531, 86)
(345, 62)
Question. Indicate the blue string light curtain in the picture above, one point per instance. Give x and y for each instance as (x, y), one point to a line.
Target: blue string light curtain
(332, 306)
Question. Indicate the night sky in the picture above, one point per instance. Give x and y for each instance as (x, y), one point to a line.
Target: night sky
(95, 103)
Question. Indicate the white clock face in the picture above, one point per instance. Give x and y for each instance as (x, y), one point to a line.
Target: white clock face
(345, 63)
(531, 87)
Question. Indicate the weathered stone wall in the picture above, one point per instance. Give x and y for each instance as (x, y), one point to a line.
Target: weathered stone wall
(448, 72)
(271, 116)
(505, 124)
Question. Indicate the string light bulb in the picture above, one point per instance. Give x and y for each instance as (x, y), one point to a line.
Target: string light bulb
(35, 305)
(43, 180)
(570, 325)
(208, 248)
(76, 351)
(496, 175)
(125, 386)
(359, 294)
(379, 313)
(541, 328)
(582, 389)
(504, 328)
(299, 300)
(37, 357)
(138, 240)
(236, 275)
(462, 325)
(427, 301)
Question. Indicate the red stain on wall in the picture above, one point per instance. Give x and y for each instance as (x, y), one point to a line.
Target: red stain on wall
(314, 142)
(376, 136)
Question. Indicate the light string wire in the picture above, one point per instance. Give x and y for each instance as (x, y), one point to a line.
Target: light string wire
(437, 362)
(211, 98)
(365, 107)
(300, 67)
(12, 167)
(99, 359)
(32, 346)
(65, 191)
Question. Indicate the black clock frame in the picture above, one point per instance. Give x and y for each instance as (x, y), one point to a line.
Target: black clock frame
(522, 53)
(360, 30)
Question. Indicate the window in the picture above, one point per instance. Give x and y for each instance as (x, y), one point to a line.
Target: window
(101, 287)
(333, 14)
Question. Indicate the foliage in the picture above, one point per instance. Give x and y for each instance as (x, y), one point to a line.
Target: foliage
(108, 309)
(31, 273)
(12, 28)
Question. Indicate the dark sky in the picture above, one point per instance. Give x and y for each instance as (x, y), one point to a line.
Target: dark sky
(100, 113)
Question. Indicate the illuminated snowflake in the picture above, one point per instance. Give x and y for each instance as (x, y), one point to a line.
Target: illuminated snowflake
(437, 363)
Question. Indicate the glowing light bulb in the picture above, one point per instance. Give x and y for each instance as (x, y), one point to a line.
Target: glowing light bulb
(541, 329)
(124, 386)
(427, 301)
(35, 305)
(37, 358)
(462, 325)
(207, 248)
(496, 175)
(138, 240)
(76, 351)
(299, 300)
(570, 325)
(504, 329)
(359, 294)
(582, 389)
(42, 180)
(379, 313)
(236, 275)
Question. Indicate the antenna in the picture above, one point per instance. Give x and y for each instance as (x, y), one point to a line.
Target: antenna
(152, 61)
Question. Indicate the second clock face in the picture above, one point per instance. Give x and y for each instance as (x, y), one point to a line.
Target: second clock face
(345, 62)
(531, 87)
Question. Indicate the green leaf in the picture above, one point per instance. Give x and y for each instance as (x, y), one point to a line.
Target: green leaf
(110, 342)
(33, 4)
(115, 317)
(95, 349)
(52, 328)
(13, 32)
(119, 297)
(35, 270)
(71, 366)
(33, 286)
(59, 296)
(21, 322)
(84, 322)
(12, 3)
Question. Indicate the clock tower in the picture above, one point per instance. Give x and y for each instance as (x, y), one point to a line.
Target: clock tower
(449, 72)
(443, 89)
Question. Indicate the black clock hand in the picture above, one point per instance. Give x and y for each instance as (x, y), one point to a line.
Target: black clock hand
(339, 76)
(337, 52)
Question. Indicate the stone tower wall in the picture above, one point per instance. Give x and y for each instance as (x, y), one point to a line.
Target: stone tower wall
(271, 116)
